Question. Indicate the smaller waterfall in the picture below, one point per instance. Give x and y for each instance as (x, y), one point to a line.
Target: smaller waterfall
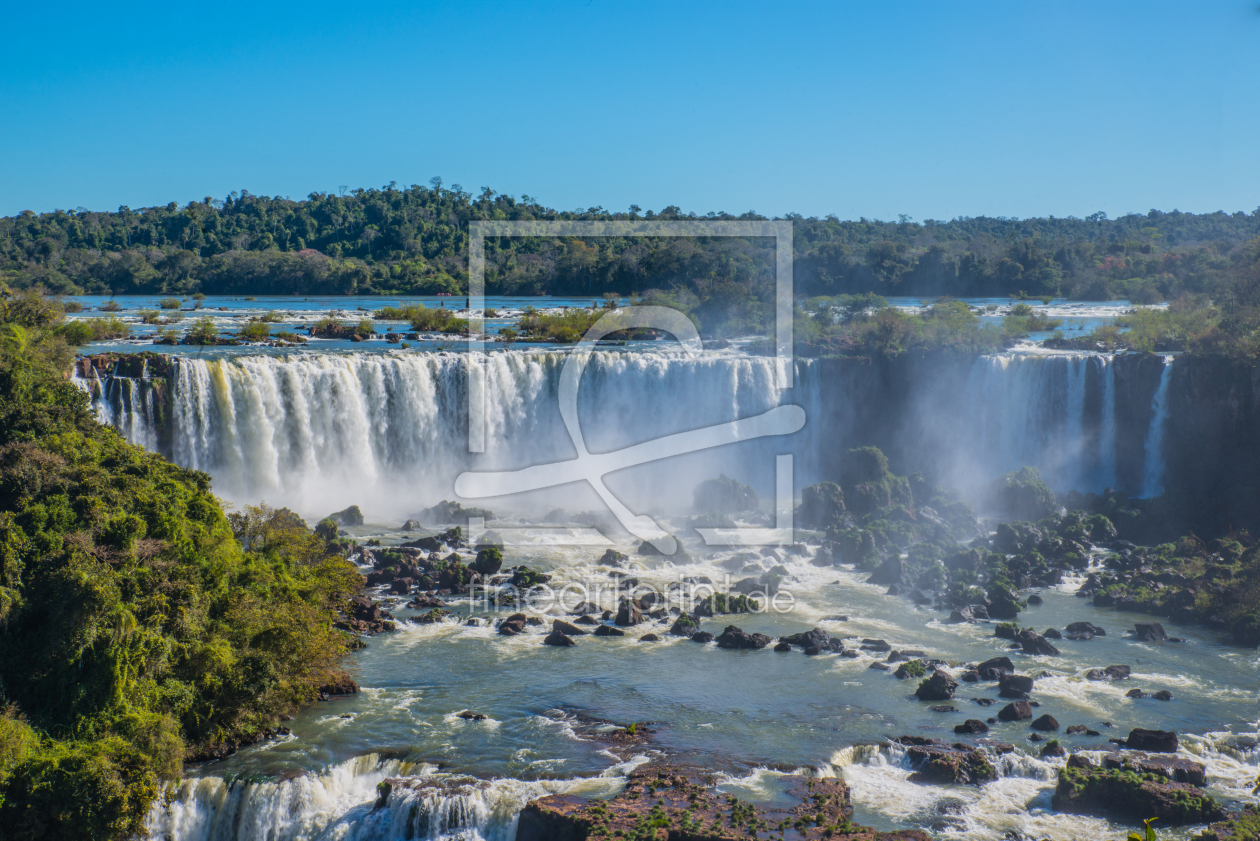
(1153, 467)
(1107, 439)
(340, 804)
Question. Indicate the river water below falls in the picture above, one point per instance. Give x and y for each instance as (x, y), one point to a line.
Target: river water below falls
(750, 714)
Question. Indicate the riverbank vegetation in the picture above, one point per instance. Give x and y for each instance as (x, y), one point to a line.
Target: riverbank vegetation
(143, 625)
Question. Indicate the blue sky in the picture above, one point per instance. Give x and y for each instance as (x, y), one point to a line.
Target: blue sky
(930, 109)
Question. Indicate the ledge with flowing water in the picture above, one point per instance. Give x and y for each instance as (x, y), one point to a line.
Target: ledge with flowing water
(321, 431)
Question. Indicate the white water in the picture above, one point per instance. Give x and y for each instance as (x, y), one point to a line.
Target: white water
(1032, 411)
(338, 805)
(1153, 468)
(389, 432)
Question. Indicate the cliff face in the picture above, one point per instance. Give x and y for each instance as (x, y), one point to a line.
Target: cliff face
(1212, 442)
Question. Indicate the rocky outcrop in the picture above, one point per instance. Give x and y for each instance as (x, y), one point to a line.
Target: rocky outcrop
(734, 637)
(663, 802)
(1130, 794)
(1156, 741)
(940, 686)
(937, 763)
(351, 516)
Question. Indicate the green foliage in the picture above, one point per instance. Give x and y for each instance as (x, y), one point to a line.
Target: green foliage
(203, 332)
(255, 331)
(170, 303)
(111, 327)
(565, 327)
(149, 316)
(142, 625)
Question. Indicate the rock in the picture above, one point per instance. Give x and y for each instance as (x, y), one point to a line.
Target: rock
(1135, 693)
(883, 667)
(876, 645)
(675, 802)
(912, 668)
(994, 668)
(972, 727)
(1123, 795)
(888, 573)
(1117, 672)
(821, 506)
(684, 626)
(342, 684)
(1006, 630)
(942, 708)
(939, 687)
(560, 626)
(1014, 686)
(1149, 631)
(351, 516)
(961, 615)
(1045, 722)
(783, 646)
(558, 639)
(702, 637)
(1087, 628)
(468, 715)
(815, 637)
(1176, 768)
(628, 613)
(1015, 711)
(512, 627)
(649, 638)
(1034, 599)
(723, 495)
(734, 637)
(488, 562)
(1053, 748)
(1037, 644)
(586, 620)
(944, 765)
(1155, 741)
(613, 558)
(1162, 695)
(411, 525)
(609, 631)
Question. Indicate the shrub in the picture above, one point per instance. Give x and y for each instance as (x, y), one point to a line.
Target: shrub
(203, 332)
(170, 303)
(149, 316)
(255, 331)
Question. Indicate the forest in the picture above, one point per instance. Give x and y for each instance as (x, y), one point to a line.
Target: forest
(414, 241)
(143, 625)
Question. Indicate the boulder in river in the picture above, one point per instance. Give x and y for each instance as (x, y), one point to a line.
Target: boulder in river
(1149, 631)
(940, 686)
(565, 628)
(1037, 644)
(734, 637)
(1155, 741)
(702, 637)
(685, 626)
(940, 764)
(1045, 722)
(971, 727)
(351, 516)
(1015, 686)
(1087, 628)
(1126, 795)
(1015, 711)
(994, 668)
(558, 639)
(629, 613)
(609, 631)
(489, 561)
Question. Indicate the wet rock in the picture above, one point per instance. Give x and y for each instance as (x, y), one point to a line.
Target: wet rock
(736, 638)
(684, 626)
(1149, 631)
(1155, 741)
(960, 615)
(1052, 634)
(939, 687)
(783, 646)
(942, 708)
(816, 637)
(1036, 644)
(628, 613)
(512, 627)
(1117, 672)
(882, 667)
(586, 620)
(1053, 748)
(351, 516)
(1036, 737)
(702, 637)
(1176, 768)
(468, 715)
(609, 631)
(1015, 711)
(613, 558)
(649, 638)
(1135, 693)
(875, 645)
(994, 668)
(1034, 599)
(1120, 794)
(970, 676)
(342, 684)
(1045, 722)
(558, 639)
(1015, 686)
(585, 608)
(411, 525)
(971, 727)
(565, 628)
(488, 562)
(939, 764)
(1162, 695)
(912, 668)
(1085, 628)
(985, 702)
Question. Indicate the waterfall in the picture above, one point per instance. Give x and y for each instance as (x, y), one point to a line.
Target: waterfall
(1107, 440)
(340, 803)
(1153, 466)
(1031, 409)
(389, 432)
